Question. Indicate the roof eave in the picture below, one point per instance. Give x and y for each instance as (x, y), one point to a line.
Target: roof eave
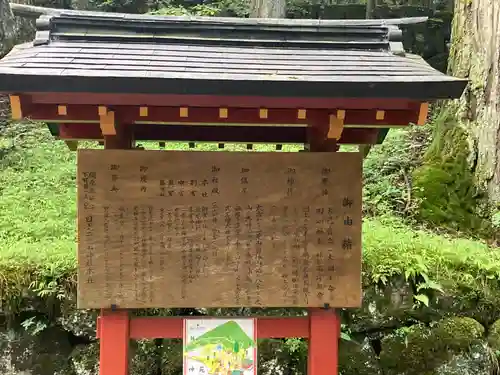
(449, 88)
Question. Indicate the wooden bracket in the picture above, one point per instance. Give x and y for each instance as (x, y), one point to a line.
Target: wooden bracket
(107, 122)
(223, 113)
(143, 112)
(336, 125)
(15, 107)
(318, 139)
(184, 112)
(62, 110)
(422, 115)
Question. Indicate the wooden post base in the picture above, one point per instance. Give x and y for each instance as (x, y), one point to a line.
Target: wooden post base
(114, 333)
(324, 332)
(321, 327)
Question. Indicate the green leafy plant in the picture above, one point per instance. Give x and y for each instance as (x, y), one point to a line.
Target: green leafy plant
(34, 325)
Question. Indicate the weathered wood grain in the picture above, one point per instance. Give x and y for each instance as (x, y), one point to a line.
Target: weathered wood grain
(186, 229)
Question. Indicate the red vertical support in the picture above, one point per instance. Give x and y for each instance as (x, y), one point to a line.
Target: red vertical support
(114, 342)
(324, 326)
(114, 325)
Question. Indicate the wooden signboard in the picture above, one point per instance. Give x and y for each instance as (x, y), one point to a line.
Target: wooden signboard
(186, 229)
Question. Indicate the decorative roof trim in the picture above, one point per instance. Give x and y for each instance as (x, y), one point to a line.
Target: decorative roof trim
(320, 34)
(36, 11)
(43, 30)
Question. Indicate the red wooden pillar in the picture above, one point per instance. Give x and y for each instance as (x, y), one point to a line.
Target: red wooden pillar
(114, 325)
(324, 333)
(114, 329)
(324, 324)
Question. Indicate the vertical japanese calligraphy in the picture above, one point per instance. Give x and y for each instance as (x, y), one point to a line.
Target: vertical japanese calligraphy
(87, 189)
(184, 229)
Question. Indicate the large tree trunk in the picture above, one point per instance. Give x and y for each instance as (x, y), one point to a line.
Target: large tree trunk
(268, 9)
(7, 28)
(7, 41)
(475, 54)
(370, 8)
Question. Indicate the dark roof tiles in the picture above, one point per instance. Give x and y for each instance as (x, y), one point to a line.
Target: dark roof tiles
(174, 55)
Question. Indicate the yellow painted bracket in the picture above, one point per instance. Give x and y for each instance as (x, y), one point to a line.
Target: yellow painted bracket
(184, 112)
(223, 113)
(143, 112)
(422, 115)
(15, 107)
(107, 122)
(62, 110)
(336, 124)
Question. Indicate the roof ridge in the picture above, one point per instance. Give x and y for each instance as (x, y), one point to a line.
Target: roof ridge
(111, 27)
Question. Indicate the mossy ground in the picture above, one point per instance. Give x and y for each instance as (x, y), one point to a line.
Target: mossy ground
(38, 231)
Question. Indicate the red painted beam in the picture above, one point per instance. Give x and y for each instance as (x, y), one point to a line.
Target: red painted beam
(131, 115)
(205, 133)
(222, 101)
(166, 327)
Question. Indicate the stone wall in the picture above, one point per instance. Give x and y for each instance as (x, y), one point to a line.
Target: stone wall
(389, 335)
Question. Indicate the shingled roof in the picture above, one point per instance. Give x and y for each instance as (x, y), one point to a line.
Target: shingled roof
(119, 53)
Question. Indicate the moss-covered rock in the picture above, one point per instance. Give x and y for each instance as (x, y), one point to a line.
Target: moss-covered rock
(494, 336)
(409, 351)
(461, 300)
(421, 350)
(478, 360)
(81, 323)
(458, 333)
(358, 359)
(45, 353)
(85, 359)
(382, 307)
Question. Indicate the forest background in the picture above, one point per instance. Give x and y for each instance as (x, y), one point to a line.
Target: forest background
(431, 266)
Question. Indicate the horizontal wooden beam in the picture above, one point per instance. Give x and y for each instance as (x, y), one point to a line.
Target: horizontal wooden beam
(222, 115)
(236, 134)
(222, 101)
(172, 327)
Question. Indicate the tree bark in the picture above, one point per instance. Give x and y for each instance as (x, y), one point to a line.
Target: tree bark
(370, 7)
(268, 9)
(7, 28)
(475, 54)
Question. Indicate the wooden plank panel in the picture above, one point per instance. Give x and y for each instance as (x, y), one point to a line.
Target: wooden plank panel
(111, 65)
(215, 58)
(140, 61)
(185, 229)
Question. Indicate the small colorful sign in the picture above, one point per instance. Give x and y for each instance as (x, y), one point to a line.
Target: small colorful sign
(220, 347)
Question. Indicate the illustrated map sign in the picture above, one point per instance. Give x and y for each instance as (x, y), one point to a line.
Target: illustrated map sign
(218, 229)
(220, 347)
